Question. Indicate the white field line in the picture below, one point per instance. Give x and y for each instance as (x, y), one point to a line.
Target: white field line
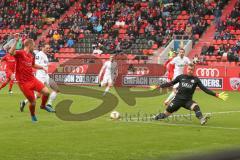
(176, 115)
(183, 124)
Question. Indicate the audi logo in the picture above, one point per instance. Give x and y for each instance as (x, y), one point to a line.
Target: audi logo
(141, 70)
(208, 72)
(74, 69)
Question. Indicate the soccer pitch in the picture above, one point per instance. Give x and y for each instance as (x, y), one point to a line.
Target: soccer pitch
(137, 138)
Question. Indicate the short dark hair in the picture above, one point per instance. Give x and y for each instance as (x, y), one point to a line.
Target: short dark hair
(191, 65)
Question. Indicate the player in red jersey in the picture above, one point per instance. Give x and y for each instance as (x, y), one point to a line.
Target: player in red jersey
(170, 67)
(25, 62)
(10, 70)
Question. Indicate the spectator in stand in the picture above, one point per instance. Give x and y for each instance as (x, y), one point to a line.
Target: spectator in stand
(171, 53)
(97, 50)
(70, 42)
(230, 56)
(188, 29)
(211, 49)
(204, 49)
(55, 46)
(221, 50)
(196, 59)
(56, 36)
(217, 14)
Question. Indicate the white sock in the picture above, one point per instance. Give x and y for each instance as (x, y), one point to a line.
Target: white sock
(52, 97)
(171, 96)
(25, 101)
(102, 84)
(106, 90)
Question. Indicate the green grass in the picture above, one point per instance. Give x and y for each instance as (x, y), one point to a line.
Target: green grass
(104, 139)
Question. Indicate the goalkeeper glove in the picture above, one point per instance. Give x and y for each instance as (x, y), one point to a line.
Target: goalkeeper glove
(223, 96)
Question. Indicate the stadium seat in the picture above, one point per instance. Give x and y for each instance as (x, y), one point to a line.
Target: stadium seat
(184, 12)
(238, 32)
(225, 42)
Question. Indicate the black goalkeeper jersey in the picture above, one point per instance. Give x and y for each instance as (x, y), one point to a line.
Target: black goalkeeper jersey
(187, 86)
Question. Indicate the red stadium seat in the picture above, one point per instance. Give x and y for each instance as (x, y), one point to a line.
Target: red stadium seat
(219, 41)
(211, 17)
(196, 36)
(238, 31)
(155, 46)
(225, 42)
(233, 32)
(184, 12)
(232, 42)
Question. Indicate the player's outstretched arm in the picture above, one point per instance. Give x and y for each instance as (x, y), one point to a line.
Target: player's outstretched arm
(205, 89)
(13, 47)
(222, 95)
(167, 84)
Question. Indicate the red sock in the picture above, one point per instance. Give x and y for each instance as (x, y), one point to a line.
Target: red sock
(11, 85)
(32, 109)
(4, 84)
(44, 101)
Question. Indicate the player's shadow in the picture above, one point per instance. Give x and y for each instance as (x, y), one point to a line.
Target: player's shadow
(109, 102)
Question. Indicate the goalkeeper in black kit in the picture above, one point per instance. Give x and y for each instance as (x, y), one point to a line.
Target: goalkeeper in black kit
(187, 86)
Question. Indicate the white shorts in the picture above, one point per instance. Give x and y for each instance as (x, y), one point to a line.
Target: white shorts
(49, 82)
(108, 79)
(43, 79)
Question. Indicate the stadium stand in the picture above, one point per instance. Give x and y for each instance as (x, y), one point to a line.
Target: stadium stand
(219, 46)
(125, 27)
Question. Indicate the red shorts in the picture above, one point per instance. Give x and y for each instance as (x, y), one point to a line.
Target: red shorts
(28, 88)
(9, 74)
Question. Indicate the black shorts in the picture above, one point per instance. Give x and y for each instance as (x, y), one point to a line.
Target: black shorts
(178, 103)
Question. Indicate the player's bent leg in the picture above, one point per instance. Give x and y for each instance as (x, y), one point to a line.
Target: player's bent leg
(11, 83)
(23, 103)
(10, 86)
(45, 94)
(52, 97)
(109, 85)
(172, 107)
(198, 113)
(54, 92)
(162, 115)
(29, 94)
(5, 83)
(171, 96)
(32, 106)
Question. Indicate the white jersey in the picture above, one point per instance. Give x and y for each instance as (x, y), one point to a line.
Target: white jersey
(179, 65)
(110, 68)
(41, 59)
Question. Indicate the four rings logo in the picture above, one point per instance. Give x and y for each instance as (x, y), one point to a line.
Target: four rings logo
(207, 72)
(74, 69)
(141, 70)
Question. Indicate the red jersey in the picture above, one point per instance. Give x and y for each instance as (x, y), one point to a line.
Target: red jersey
(10, 62)
(170, 68)
(24, 63)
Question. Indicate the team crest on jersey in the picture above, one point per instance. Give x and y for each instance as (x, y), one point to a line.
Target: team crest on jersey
(235, 83)
(192, 81)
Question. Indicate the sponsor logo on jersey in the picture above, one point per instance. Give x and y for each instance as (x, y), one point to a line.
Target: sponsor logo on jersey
(187, 85)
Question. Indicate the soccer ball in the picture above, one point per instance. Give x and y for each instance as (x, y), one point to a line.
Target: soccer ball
(115, 115)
